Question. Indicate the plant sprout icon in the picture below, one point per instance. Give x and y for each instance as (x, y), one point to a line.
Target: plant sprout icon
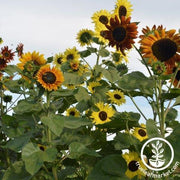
(157, 159)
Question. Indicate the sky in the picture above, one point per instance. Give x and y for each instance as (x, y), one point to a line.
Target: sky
(50, 26)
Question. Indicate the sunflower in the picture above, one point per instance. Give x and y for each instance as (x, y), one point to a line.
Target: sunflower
(58, 59)
(92, 86)
(120, 34)
(140, 132)
(1, 76)
(3, 63)
(1, 40)
(7, 54)
(49, 78)
(133, 162)
(118, 57)
(75, 65)
(69, 86)
(84, 37)
(19, 49)
(161, 46)
(116, 97)
(42, 147)
(123, 8)
(72, 112)
(71, 54)
(103, 115)
(34, 57)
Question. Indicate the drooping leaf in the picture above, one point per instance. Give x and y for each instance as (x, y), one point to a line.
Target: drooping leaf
(152, 129)
(72, 78)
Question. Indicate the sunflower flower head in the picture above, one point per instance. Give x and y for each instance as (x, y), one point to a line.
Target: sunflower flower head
(71, 54)
(140, 132)
(3, 63)
(42, 147)
(118, 57)
(133, 162)
(123, 8)
(75, 65)
(1, 40)
(121, 33)
(7, 53)
(50, 79)
(72, 112)
(103, 115)
(84, 37)
(158, 68)
(116, 97)
(58, 60)
(19, 49)
(92, 85)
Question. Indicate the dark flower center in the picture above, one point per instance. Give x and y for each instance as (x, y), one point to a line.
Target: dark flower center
(6, 54)
(72, 113)
(178, 75)
(141, 132)
(49, 77)
(164, 49)
(59, 60)
(36, 63)
(122, 11)
(117, 96)
(41, 148)
(85, 37)
(103, 115)
(2, 61)
(103, 19)
(119, 34)
(133, 166)
(70, 57)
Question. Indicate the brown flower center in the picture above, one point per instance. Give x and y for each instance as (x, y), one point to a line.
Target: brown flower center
(85, 37)
(59, 60)
(122, 11)
(103, 19)
(6, 54)
(49, 78)
(72, 113)
(42, 148)
(164, 49)
(70, 57)
(103, 115)
(117, 96)
(119, 34)
(133, 166)
(142, 132)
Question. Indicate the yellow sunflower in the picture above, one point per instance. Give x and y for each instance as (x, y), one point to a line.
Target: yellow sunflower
(123, 8)
(1, 40)
(72, 112)
(116, 97)
(120, 33)
(58, 59)
(84, 37)
(69, 86)
(92, 86)
(118, 57)
(161, 46)
(71, 54)
(140, 132)
(49, 78)
(75, 65)
(34, 57)
(42, 147)
(133, 160)
(103, 115)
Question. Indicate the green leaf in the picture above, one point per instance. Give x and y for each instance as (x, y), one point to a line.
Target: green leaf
(49, 154)
(71, 78)
(77, 149)
(50, 59)
(75, 122)
(124, 141)
(112, 167)
(82, 94)
(11, 69)
(177, 102)
(83, 105)
(16, 172)
(152, 129)
(103, 52)
(85, 53)
(91, 49)
(63, 93)
(13, 86)
(24, 106)
(54, 122)
(111, 74)
(175, 92)
(171, 115)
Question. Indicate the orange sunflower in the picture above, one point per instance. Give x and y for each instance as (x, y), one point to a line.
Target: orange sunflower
(120, 33)
(49, 78)
(161, 46)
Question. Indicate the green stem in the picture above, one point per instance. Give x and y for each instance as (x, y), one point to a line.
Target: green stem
(2, 108)
(54, 171)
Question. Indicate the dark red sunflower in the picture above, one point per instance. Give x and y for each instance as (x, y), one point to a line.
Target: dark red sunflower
(19, 49)
(7, 53)
(120, 33)
(3, 63)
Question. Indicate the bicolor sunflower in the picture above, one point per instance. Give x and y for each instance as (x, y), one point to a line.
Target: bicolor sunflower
(103, 115)
(84, 37)
(116, 97)
(92, 85)
(140, 132)
(121, 33)
(71, 54)
(35, 58)
(50, 79)
(133, 162)
(123, 8)
(161, 46)
(72, 112)
(58, 60)
(7, 54)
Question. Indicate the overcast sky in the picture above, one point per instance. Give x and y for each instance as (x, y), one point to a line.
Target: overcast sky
(50, 26)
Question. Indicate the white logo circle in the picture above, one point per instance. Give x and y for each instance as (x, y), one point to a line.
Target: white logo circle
(157, 164)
